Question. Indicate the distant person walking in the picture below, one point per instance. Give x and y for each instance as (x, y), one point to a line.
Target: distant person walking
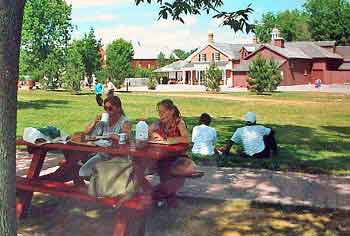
(98, 91)
(318, 83)
(110, 87)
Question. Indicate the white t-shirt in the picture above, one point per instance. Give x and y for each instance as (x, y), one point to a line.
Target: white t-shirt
(204, 139)
(252, 138)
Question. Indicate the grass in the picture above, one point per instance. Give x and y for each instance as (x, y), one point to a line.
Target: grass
(195, 217)
(313, 129)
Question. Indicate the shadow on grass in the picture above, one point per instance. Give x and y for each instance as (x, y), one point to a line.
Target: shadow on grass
(195, 217)
(338, 129)
(40, 104)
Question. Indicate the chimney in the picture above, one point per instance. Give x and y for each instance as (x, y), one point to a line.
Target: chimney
(276, 38)
(210, 38)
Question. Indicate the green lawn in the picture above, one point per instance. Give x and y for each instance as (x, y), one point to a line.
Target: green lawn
(313, 129)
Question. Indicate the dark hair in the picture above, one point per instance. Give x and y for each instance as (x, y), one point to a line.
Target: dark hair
(115, 101)
(169, 105)
(205, 119)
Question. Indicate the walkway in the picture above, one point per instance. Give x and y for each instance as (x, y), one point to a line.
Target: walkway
(257, 185)
(334, 88)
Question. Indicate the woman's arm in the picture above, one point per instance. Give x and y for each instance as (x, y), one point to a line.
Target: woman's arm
(88, 130)
(183, 138)
(152, 135)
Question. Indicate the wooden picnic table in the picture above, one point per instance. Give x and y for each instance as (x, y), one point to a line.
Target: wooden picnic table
(66, 182)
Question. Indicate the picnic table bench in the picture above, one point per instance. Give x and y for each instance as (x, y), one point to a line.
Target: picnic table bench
(66, 182)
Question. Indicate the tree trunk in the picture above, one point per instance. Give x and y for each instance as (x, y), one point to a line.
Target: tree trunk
(11, 14)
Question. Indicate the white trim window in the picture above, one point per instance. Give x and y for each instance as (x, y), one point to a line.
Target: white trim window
(204, 57)
(217, 56)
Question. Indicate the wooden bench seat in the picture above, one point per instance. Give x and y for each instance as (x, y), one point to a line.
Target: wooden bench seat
(60, 189)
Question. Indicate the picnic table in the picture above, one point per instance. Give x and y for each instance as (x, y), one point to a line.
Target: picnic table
(66, 182)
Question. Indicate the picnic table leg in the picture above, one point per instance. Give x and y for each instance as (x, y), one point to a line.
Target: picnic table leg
(133, 213)
(169, 185)
(25, 197)
(68, 170)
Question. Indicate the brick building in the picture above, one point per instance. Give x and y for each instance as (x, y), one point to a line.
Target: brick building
(299, 62)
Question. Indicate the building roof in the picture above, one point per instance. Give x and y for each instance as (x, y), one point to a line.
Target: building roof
(244, 66)
(324, 43)
(175, 66)
(344, 66)
(343, 51)
(313, 50)
(289, 51)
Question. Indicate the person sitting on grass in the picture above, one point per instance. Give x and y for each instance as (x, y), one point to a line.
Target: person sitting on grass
(257, 140)
(204, 137)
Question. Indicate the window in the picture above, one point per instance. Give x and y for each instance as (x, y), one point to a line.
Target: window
(217, 56)
(204, 57)
(213, 56)
(199, 57)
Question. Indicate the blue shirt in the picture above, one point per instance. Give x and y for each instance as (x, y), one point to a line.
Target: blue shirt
(98, 88)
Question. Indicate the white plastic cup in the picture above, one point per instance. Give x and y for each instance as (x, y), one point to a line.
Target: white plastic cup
(104, 117)
(122, 138)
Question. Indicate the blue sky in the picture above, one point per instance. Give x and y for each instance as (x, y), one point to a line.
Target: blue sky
(113, 19)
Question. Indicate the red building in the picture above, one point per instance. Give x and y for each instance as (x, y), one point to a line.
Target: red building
(300, 62)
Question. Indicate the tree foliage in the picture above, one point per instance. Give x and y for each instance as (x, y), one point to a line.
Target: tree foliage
(161, 60)
(74, 70)
(329, 20)
(236, 20)
(264, 75)
(89, 48)
(213, 77)
(45, 35)
(119, 55)
(292, 24)
(181, 54)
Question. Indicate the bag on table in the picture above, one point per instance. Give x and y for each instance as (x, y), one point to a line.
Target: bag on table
(49, 134)
(113, 178)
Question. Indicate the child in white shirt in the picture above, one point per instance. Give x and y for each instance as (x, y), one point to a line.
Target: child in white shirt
(204, 137)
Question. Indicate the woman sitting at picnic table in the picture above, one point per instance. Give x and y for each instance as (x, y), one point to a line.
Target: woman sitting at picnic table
(117, 123)
(172, 129)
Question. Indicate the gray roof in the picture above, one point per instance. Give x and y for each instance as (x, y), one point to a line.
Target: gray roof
(289, 51)
(244, 66)
(175, 66)
(232, 50)
(312, 49)
(343, 51)
(325, 43)
(344, 66)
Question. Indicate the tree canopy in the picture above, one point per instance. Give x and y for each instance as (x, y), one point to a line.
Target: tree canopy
(329, 20)
(89, 48)
(292, 24)
(119, 54)
(46, 32)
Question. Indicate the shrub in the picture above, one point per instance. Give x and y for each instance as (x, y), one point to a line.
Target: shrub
(264, 75)
(213, 77)
(152, 83)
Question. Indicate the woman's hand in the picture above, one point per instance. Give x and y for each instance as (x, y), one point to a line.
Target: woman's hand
(157, 137)
(114, 137)
(97, 119)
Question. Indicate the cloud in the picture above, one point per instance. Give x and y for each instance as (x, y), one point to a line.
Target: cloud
(161, 36)
(95, 18)
(95, 3)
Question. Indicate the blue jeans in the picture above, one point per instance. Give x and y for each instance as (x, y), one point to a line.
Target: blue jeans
(87, 168)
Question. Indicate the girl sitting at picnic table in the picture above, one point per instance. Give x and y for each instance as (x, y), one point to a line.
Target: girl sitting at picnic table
(117, 123)
(172, 129)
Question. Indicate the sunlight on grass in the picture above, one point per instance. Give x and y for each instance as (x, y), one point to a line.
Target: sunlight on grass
(312, 129)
